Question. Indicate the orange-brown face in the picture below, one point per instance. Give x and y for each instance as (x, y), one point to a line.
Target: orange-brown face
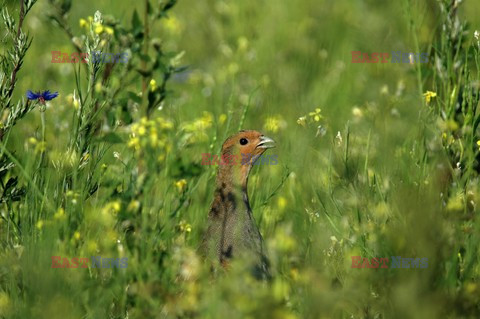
(247, 144)
(239, 152)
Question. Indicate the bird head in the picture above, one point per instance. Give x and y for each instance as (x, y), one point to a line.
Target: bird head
(241, 151)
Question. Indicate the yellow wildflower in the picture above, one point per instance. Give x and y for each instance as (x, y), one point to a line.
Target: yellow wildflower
(280, 289)
(222, 118)
(316, 115)
(39, 224)
(173, 25)
(429, 95)
(83, 23)
(282, 202)
(76, 235)
(205, 121)
(274, 123)
(284, 241)
(180, 185)
(112, 207)
(98, 29)
(185, 227)
(41, 147)
(109, 30)
(153, 85)
(200, 124)
(134, 142)
(60, 214)
(116, 206)
(133, 206)
(141, 130)
(153, 137)
(271, 124)
(164, 124)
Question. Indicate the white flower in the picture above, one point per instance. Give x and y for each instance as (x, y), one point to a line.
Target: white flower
(339, 138)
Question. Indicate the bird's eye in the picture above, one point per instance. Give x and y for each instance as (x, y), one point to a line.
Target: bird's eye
(243, 141)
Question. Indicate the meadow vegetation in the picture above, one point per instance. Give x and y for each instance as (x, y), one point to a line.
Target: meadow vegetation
(374, 159)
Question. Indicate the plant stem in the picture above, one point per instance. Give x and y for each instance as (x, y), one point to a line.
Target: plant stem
(17, 65)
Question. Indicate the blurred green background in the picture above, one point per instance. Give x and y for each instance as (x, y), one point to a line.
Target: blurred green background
(361, 176)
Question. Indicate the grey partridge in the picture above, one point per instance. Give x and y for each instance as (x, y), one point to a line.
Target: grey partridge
(232, 231)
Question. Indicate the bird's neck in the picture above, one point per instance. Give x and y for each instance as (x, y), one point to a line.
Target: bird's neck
(232, 180)
(234, 177)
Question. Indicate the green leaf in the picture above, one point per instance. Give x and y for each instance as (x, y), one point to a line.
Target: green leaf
(169, 5)
(137, 26)
(134, 97)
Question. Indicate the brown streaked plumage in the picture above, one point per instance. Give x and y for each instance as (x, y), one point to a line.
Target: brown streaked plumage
(231, 227)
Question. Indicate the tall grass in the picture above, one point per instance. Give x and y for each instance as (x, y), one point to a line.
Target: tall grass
(375, 160)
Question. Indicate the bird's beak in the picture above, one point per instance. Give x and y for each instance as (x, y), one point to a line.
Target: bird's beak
(266, 142)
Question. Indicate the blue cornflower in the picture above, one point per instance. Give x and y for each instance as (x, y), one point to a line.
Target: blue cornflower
(42, 97)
